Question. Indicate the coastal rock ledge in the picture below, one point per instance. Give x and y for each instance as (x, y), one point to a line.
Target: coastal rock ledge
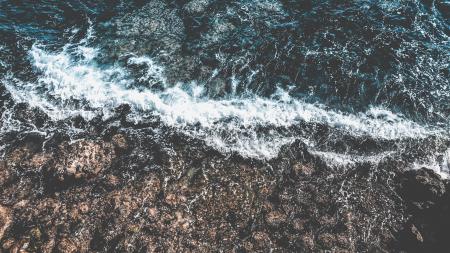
(130, 191)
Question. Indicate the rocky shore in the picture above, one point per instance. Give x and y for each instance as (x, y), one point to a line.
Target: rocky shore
(129, 187)
(117, 184)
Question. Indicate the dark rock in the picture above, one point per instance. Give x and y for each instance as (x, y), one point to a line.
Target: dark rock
(427, 198)
(33, 116)
(422, 185)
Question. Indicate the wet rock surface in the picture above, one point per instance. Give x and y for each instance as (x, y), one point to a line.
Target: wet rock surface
(427, 198)
(130, 188)
(5, 220)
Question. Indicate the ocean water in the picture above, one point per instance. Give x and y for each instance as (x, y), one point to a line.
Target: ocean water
(357, 81)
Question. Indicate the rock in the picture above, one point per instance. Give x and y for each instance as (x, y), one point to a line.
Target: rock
(303, 169)
(427, 197)
(65, 245)
(151, 187)
(307, 242)
(299, 224)
(275, 218)
(84, 208)
(112, 180)
(262, 239)
(20, 155)
(120, 141)
(171, 199)
(36, 233)
(5, 220)
(33, 116)
(81, 160)
(343, 241)
(39, 160)
(27, 154)
(8, 244)
(4, 173)
(326, 240)
(422, 185)
(418, 237)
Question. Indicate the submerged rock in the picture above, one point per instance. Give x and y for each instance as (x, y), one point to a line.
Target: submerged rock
(155, 27)
(422, 185)
(196, 7)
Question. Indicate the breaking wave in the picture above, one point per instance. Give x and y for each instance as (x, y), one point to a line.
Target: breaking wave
(70, 82)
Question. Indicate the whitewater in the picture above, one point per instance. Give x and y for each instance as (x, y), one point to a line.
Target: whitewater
(71, 83)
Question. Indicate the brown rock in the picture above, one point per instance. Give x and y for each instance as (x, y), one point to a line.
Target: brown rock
(307, 242)
(181, 221)
(84, 208)
(26, 156)
(19, 246)
(39, 160)
(261, 241)
(5, 220)
(171, 199)
(299, 224)
(153, 212)
(416, 233)
(8, 244)
(4, 173)
(81, 160)
(112, 180)
(36, 233)
(326, 240)
(133, 228)
(18, 155)
(120, 141)
(343, 241)
(66, 246)
(303, 169)
(275, 218)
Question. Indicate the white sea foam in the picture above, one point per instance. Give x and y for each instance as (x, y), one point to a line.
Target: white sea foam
(67, 86)
(344, 160)
(440, 163)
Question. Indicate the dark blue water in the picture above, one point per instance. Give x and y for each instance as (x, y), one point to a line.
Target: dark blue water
(349, 54)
